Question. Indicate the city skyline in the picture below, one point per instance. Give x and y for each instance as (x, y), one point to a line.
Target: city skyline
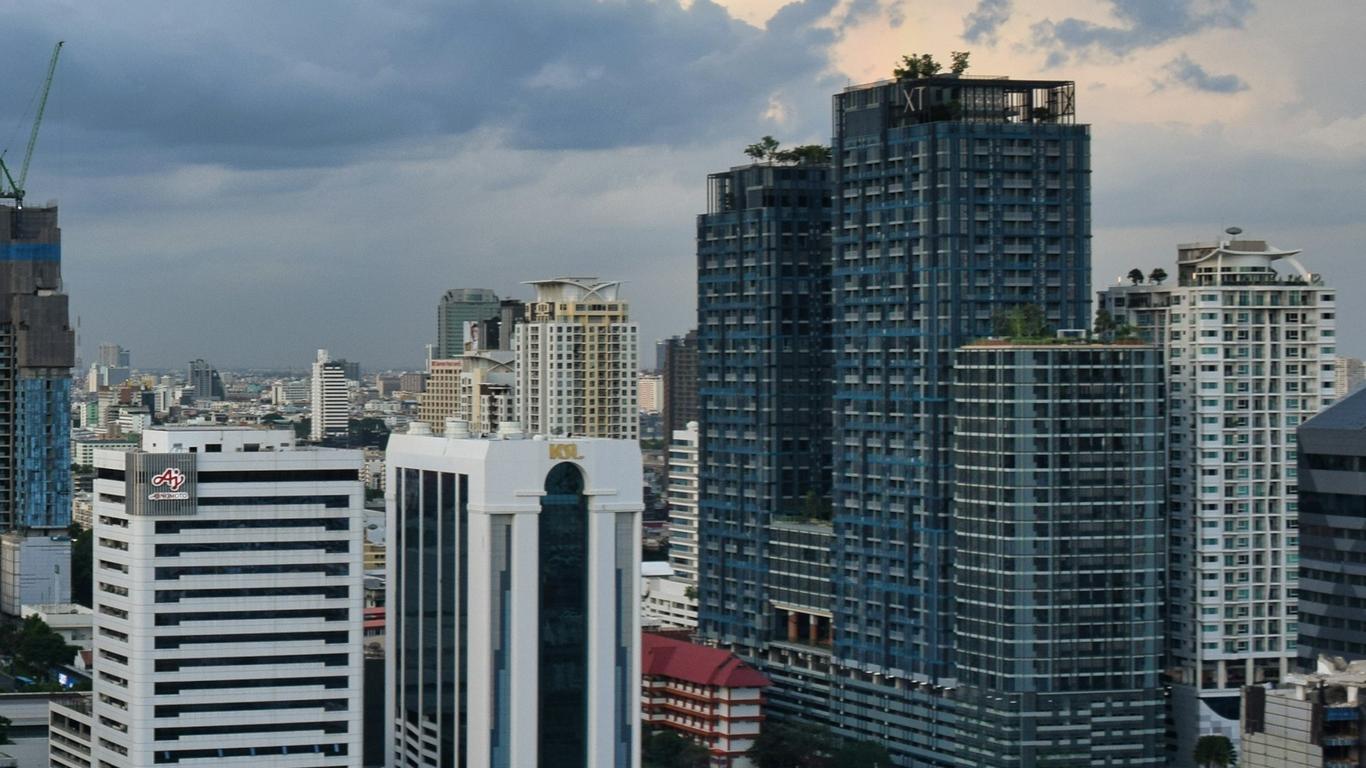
(307, 150)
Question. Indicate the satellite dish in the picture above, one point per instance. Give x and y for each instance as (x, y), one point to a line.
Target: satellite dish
(1234, 231)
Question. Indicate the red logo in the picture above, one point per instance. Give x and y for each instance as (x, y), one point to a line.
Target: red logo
(170, 477)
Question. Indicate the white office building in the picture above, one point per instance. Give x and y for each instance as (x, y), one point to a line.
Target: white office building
(513, 591)
(227, 617)
(577, 361)
(1250, 353)
(331, 399)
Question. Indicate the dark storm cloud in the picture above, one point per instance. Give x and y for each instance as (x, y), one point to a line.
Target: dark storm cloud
(1186, 72)
(1143, 24)
(981, 24)
(294, 84)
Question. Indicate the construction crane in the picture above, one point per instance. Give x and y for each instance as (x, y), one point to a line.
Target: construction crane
(15, 190)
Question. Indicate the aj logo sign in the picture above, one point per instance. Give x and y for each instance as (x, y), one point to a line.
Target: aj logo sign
(171, 479)
(564, 451)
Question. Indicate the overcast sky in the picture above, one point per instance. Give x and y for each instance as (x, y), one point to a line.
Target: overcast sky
(249, 181)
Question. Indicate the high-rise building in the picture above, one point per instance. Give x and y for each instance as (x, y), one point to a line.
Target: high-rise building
(762, 378)
(458, 306)
(1059, 532)
(441, 398)
(1348, 375)
(208, 385)
(35, 377)
(331, 399)
(955, 199)
(513, 591)
(577, 361)
(114, 356)
(682, 498)
(1332, 506)
(678, 385)
(227, 617)
(486, 398)
(1250, 353)
(651, 392)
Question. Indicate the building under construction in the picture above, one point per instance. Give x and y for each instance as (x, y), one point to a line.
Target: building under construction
(37, 351)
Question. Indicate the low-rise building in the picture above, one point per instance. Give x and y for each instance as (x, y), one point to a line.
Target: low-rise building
(665, 601)
(68, 739)
(70, 620)
(706, 694)
(1313, 721)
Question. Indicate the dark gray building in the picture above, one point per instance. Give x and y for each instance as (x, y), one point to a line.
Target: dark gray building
(1059, 490)
(1332, 532)
(763, 403)
(208, 385)
(678, 370)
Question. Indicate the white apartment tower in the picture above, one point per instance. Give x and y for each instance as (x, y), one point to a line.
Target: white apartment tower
(513, 592)
(228, 602)
(682, 491)
(331, 399)
(1250, 352)
(577, 361)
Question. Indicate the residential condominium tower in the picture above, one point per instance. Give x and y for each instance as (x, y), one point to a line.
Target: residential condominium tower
(678, 381)
(208, 385)
(763, 250)
(955, 199)
(1250, 354)
(513, 596)
(1059, 531)
(577, 361)
(227, 584)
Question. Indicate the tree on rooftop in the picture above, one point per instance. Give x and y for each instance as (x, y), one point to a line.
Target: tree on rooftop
(1157, 275)
(1214, 751)
(916, 66)
(1135, 276)
(960, 62)
(1023, 321)
(764, 149)
(1105, 323)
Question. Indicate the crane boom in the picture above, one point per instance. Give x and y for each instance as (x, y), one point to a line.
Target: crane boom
(38, 118)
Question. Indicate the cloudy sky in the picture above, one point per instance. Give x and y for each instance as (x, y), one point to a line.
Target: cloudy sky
(249, 181)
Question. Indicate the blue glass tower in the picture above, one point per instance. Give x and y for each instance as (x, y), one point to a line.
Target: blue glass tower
(763, 393)
(37, 350)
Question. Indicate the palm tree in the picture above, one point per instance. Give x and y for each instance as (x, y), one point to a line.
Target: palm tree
(1135, 275)
(1214, 752)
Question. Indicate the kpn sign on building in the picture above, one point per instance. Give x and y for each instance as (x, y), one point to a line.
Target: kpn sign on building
(160, 483)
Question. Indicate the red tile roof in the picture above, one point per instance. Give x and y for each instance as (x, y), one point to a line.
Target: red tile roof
(697, 664)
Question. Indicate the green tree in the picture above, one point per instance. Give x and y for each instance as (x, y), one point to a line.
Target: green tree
(1135, 275)
(368, 432)
(916, 66)
(82, 573)
(1157, 275)
(764, 149)
(960, 62)
(35, 647)
(1105, 323)
(861, 754)
(1023, 321)
(661, 748)
(1214, 751)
